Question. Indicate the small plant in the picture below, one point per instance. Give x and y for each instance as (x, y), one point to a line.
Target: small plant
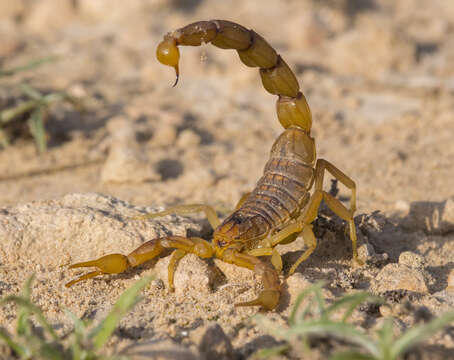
(32, 109)
(383, 346)
(82, 344)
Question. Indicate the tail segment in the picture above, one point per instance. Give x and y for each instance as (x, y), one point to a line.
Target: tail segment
(254, 51)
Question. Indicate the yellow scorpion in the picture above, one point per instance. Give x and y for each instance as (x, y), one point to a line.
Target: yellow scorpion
(280, 207)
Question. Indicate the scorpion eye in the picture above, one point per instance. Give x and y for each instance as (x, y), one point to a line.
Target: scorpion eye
(219, 242)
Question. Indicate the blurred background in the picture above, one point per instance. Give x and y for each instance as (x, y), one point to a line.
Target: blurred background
(378, 76)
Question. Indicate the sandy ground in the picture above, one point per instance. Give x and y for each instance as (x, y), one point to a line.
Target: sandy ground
(379, 79)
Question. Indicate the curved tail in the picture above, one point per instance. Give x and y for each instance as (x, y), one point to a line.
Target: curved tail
(254, 51)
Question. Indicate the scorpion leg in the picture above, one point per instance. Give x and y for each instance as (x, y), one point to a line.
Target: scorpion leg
(303, 223)
(334, 204)
(209, 211)
(176, 256)
(285, 235)
(269, 297)
(303, 226)
(118, 263)
(323, 165)
(276, 258)
(311, 211)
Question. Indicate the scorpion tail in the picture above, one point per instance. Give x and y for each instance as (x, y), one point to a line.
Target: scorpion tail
(254, 51)
(168, 54)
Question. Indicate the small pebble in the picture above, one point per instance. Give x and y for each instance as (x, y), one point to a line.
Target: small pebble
(450, 286)
(385, 310)
(158, 284)
(164, 135)
(192, 275)
(213, 342)
(411, 259)
(400, 277)
(188, 138)
(402, 206)
(125, 164)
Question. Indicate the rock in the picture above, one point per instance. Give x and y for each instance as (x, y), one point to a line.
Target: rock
(451, 281)
(431, 217)
(75, 228)
(402, 206)
(164, 135)
(212, 342)
(159, 350)
(126, 162)
(366, 253)
(400, 277)
(374, 223)
(192, 275)
(411, 260)
(157, 285)
(188, 138)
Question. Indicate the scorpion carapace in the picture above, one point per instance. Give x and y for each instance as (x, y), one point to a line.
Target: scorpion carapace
(280, 207)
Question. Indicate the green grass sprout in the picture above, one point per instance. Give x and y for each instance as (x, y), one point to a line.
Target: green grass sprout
(33, 107)
(81, 344)
(29, 66)
(127, 300)
(316, 318)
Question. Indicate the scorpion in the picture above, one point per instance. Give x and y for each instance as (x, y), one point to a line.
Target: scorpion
(280, 208)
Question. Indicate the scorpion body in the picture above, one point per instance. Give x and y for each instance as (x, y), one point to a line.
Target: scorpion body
(281, 206)
(280, 195)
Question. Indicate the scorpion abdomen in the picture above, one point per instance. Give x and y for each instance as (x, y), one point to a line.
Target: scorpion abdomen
(281, 193)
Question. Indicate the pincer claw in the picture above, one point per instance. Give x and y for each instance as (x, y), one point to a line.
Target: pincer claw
(108, 264)
(268, 299)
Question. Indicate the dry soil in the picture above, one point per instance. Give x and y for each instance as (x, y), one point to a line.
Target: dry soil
(378, 76)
